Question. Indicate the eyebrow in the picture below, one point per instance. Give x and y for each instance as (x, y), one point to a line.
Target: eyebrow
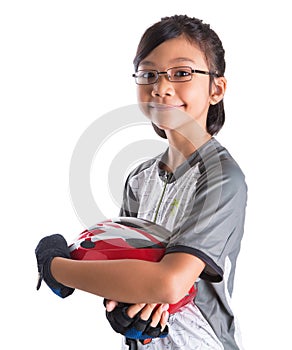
(181, 59)
(177, 59)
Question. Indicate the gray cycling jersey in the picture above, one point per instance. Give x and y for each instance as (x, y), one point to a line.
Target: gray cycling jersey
(203, 204)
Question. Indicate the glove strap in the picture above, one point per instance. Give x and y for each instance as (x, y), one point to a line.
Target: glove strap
(40, 278)
(132, 343)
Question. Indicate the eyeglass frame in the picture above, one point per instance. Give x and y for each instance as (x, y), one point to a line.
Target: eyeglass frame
(193, 71)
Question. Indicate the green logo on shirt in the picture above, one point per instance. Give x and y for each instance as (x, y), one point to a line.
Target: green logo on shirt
(174, 206)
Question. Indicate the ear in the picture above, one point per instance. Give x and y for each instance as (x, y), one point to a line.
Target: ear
(218, 90)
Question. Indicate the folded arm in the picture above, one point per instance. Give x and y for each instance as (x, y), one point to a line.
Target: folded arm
(132, 281)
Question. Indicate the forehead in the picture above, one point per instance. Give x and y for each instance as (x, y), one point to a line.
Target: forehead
(176, 51)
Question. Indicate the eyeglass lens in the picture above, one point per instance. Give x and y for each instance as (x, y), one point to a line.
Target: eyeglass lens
(177, 74)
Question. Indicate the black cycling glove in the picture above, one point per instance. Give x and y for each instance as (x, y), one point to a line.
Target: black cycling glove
(133, 328)
(48, 248)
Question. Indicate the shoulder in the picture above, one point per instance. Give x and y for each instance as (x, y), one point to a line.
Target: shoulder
(217, 164)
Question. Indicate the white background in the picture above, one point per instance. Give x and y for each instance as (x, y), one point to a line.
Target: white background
(65, 63)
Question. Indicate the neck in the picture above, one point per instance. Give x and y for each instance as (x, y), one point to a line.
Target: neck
(182, 146)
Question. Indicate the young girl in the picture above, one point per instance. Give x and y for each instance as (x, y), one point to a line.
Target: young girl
(195, 189)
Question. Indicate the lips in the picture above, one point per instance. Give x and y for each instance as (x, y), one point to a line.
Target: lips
(164, 107)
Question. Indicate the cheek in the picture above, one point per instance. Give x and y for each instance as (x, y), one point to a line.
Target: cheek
(143, 99)
(143, 94)
(195, 97)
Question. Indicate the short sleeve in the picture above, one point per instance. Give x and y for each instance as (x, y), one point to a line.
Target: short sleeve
(213, 225)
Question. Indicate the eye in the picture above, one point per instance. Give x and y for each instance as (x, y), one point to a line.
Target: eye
(182, 73)
(147, 74)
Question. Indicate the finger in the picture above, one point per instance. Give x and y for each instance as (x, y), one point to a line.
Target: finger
(147, 311)
(159, 317)
(110, 305)
(164, 319)
(134, 309)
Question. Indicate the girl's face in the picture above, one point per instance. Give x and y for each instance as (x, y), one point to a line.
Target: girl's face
(181, 100)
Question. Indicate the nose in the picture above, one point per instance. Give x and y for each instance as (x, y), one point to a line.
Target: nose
(163, 87)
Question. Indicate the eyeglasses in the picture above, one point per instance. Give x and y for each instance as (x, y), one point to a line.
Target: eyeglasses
(175, 74)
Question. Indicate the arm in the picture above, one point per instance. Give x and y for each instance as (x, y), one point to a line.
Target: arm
(132, 281)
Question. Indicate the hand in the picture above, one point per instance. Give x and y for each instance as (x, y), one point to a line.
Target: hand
(138, 321)
(48, 248)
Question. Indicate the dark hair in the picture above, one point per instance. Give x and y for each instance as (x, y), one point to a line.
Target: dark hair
(205, 38)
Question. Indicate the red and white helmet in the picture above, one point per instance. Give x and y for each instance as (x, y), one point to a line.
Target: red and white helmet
(125, 238)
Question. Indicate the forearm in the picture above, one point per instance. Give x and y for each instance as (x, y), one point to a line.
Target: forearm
(131, 281)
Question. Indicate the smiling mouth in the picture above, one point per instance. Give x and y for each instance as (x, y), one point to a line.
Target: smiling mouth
(164, 107)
